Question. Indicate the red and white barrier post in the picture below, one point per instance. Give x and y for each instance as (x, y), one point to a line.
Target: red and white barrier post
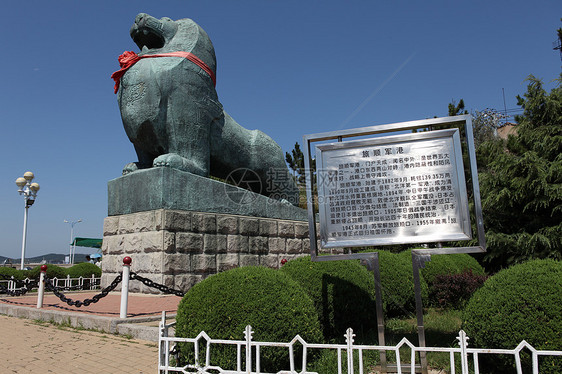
(125, 286)
(41, 290)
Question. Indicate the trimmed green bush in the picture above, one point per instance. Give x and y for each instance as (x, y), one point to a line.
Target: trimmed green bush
(457, 263)
(397, 281)
(439, 265)
(7, 272)
(342, 292)
(53, 271)
(466, 262)
(523, 302)
(84, 269)
(271, 302)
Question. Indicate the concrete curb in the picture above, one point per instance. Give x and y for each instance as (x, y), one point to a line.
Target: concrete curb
(122, 326)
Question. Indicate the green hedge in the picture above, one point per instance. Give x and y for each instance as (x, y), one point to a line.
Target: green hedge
(457, 263)
(11, 272)
(83, 269)
(523, 302)
(53, 271)
(342, 292)
(397, 281)
(222, 305)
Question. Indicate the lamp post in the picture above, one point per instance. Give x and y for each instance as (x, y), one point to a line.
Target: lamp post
(29, 192)
(72, 240)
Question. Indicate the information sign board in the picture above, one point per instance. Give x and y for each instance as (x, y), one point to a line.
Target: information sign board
(407, 188)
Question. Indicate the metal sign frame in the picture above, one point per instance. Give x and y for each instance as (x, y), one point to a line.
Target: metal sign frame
(393, 129)
(370, 168)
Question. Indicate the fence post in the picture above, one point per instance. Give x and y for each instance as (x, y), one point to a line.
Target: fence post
(41, 290)
(463, 343)
(248, 335)
(163, 345)
(125, 286)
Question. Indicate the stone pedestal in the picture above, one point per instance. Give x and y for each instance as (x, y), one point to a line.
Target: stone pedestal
(179, 228)
(180, 248)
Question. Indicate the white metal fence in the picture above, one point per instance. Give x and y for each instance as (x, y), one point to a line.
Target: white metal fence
(248, 354)
(82, 283)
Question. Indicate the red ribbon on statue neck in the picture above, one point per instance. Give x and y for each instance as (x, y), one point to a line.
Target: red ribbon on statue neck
(129, 58)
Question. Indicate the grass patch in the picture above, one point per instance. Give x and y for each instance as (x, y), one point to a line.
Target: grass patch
(65, 325)
(441, 330)
(441, 327)
(437, 322)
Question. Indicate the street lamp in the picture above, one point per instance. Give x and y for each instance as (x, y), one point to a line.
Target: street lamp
(29, 192)
(72, 239)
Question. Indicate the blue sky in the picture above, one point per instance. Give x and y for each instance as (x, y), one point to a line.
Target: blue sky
(288, 68)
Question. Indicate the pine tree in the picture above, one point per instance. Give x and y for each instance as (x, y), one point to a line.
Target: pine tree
(521, 183)
(457, 109)
(295, 160)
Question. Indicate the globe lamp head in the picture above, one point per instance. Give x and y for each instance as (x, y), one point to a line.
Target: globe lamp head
(20, 182)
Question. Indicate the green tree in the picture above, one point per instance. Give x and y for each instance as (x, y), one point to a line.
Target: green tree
(457, 109)
(521, 183)
(295, 160)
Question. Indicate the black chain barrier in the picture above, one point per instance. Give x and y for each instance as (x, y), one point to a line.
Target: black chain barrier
(28, 285)
(150, 283)
(86, 302)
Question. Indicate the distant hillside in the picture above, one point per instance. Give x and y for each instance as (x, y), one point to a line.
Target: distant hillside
(51, 258)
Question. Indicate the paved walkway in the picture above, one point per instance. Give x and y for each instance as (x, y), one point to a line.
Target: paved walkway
(39, 347)
(31, 345)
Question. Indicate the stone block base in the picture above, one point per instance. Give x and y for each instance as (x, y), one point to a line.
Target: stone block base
(179, 248)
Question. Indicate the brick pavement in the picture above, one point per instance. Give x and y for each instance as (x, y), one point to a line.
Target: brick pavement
(32, 346)
(39, 347)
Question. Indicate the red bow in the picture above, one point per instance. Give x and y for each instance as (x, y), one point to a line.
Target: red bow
(129, 58)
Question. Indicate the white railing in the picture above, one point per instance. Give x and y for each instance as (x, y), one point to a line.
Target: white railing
(88, 283)
(92, 283)
(251, 358)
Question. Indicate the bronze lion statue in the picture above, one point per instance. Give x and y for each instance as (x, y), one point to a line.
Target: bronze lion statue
(172, 115)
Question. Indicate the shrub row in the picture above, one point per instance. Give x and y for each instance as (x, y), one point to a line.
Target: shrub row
(317, 300)
(84, 269)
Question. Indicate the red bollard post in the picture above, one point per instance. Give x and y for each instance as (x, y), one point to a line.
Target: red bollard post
(41, 290)
(125, 286)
